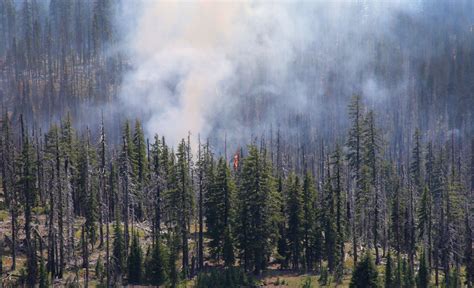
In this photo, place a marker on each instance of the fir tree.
(185, 203)
(26, 181)
(371, 162)
(43, 275)
(295, 219)
(407, 277)
(219, 210)
(310, 222)
(365, 274)
(389, 279)
(157, 264)
(257, 211)
(423, 276)
(135, 261)
(354, 155)
(118, 252)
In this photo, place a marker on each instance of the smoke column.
(239, 67)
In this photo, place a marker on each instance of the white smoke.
(193, 61)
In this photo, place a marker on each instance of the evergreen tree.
(389, 279)
(219, 210)
(423, 276)
(295, 219)
(365, 274)
(257, 211)
(135, 260)
(371, 162)
(407, 277)
(43, 275)
(310, 222)
(173, 257)
(140, 154)
(339, 200)
(354, 155)
(185, 203)
(157, 264)
(228, 248)
(27, 185)
(118, 253)
(282, 245)
(468, 253)
(329, 224)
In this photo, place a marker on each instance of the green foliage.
(257, 216)
(407, 275)
(173, 273)
(219, 205)
(228, 248)
(156, 264)
(324, 277)
(423, 276)
(140, 155)
(424, 214)
(118, 252)
(99, 272)
(43, 275)
(135, 261)
(307, 282)
(311, 223)
(388, 278)
(365, 274)
(453, 280)
(295, 219)
(229, 277)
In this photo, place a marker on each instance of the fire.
(236, 160)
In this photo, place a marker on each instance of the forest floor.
(273, 277)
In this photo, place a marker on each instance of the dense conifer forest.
(345, 190)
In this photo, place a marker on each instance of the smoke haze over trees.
(241, 68)
(149, 142)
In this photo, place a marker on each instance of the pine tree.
(354, 143)
(371, 162)
(8, 182)
(173, 271)
(140, 160)
(282, 245)
(140, 154)
(43, 275)
(157, 264)
(339, 200)
(99, 272)
(126, 177)
(423, 276)
(389, 279)
(118, 252)
(135, 261)
(407, 276)
(310, 225)
(257, 211)
(295, 219)
(228, 248)
(424, 216)
(399, 273)
(468, 253)
(88, 190)
(219, 209)
(158, 179)
(329, 224)
(27, 180)
(185, 203)
(365, 274)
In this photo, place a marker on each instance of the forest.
(266, 187)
